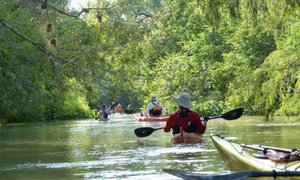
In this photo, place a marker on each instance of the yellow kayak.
(240, 157)
(186, 138)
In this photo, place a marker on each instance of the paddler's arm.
(168, 126)
(146, 113)
(201, 126)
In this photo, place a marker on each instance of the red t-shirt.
(193, 119)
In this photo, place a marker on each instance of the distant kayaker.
(104, 112)
(155, 108)
(119, 109)
(184, 117)
(129, 109)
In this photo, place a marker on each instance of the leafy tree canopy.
(60, 63)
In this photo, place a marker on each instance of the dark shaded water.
(90, 149)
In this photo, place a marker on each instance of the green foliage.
(250, 48)
(281, 69)
(31, 81)
(2, 122)
(212, 108)
(57, 64)
(71, 104)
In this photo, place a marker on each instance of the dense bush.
(212, 108)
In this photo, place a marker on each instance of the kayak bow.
(240, 157)
(153, 119)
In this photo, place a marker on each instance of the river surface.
(90, 149)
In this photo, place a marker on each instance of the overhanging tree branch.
(45, 5)
(4, 23)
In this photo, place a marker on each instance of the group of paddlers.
(105, 110)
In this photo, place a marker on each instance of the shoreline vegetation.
(61, 63)
(259, 121)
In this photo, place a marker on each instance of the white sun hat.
(184, 100)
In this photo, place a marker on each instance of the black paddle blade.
(233, 114)
(181, 174)
(143, 131)
(210, 176)
(230, 175)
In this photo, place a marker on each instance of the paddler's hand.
(204, 120)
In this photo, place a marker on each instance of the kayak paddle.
(230, 115)
(264, 148)
(230, 175)
(145, 131)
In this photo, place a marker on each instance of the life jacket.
(119, 110)
(156, 110)
(157, 107)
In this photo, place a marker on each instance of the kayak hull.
(118, 110)
(239, 158)
(153, 119)
(186, 138)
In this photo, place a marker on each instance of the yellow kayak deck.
(239, 158)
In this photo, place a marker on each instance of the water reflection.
(89, 149)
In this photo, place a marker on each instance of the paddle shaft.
(273, 173)
(263, 148)
(230, 175)
(214, 117)
(157, 128)
(278, 149)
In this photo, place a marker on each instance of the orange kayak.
(186, 138)
(153, 119)
(119, 110)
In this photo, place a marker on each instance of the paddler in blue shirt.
(155, 108)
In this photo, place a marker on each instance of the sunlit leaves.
(244, 53)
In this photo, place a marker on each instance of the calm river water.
(90, 149)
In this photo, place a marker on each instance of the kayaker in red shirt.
(184, 117)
